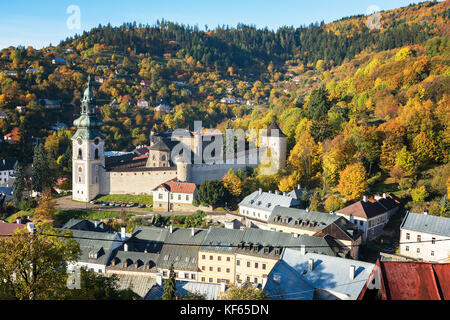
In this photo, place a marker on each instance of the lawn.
(65, 215)
(147, 200)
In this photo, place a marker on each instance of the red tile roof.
(413, 281)
(179, 187)
(371, 208)
(9, 228)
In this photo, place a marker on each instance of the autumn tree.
(46, 208)
(232, 183)
(246, 292)
(352, 183)
(33, 266)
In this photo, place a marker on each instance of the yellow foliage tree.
(352, 183)
(46, 208)
(232, 183)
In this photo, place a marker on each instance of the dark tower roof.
(272, 130)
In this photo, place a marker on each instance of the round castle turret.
(184, 170)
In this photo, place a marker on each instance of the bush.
(419, 194)
(333, 203)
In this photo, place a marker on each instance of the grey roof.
(7, 164)
(218, 239)
(148, 238)
(181, 248)
(94, 242)
(268, 201)
(210, 291)
(284, 283)
(86, 225)
(329, 273)
(140, 285)
(160, 146)
(296, 218)
(146, 261)
(426, 223)
(259, 239)
(274, 130)
(6, 190)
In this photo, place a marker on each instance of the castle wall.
(203, 172)
(134, 183)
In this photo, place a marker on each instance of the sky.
(40, 23)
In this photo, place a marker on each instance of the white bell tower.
(88, 158)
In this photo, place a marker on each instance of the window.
(160, 196)
(418, 250)
(187, 198)
(203, 279)
(179, 197)
(192, 276)
(406, 248)
(264, 266)
(164, 273)
(211, 280)
(219, 258)
(256, 265)
(228, 259)
(210, 268)
(210, 257)
(433, 240)
(238, 262)
(248, 264)
(219, 269)
(203, 268)
(432, 253)
(256, 280)
(80, 154)
(419, 238)
(96, 154)
(186, 275)
(228, 270)
(171, 196)
(407, 236)
(248, 279)
(203, 257)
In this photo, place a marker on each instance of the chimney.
(384, 195)
(365, 198)
(425, 212)
(303, 249)
(192, 232)
(284, 194)
(171, 229)
(260, 191)
(352, 272)
(277, 192)
(270, 191)
(299, 187)
(30, 227)
(311, 264)
(19, 221)
(123, 233)
(125, 247)
(332, 213)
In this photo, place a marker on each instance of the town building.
(425, 238)
(7, 166)
(7, 229)
(259, 205)
(13, 137)
(142, 103)
(311, 276)
(174, 196)
(318, 224)
(49, 104)
(371, 215)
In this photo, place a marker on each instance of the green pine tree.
(18, 184)
(169, 286)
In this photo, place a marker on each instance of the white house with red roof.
(174, 196)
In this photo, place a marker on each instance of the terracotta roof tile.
(9, 228)
(179, 187)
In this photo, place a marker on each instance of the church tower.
(88, 158)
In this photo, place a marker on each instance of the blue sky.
(39, 23)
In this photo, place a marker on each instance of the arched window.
(96, 153)
(163, 158)
(80, 154)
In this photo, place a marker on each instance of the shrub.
(419, 194)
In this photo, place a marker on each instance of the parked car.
(123, 205)
(112, 204)
(117, 204)
(140, 206)
(131, 204)
(105, 204)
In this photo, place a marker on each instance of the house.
(181, 249)
(7, 229)
(96, 249)
(174, 196)
(32, 71)
(87, 225)
(13, 137)
(302, 275)
(59, 126)
(99, 79)
(142, 103)
(3, 115)
(114, 103)
(49, 104)
(425, 238)
(145, 83)
(21, 109)
(58, 61)
(228, 100)
(318, 224)
(371, 216)
(391, 280)
(259, 205)
(12, 73)
(6, 195)
(7, 171)
(163, 106)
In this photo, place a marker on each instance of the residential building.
(425, 238)
(31, 70)
(142, 103)
(13, 137)
(181, 249)
(163, 106)
(3, 115)
(7, 229)
(49, 104)
(145, 83)
(311, 276)
(58, 61)
(7, 171)
(371, 215)
(318, 224)
(87, 225)
(174, 196)
(259, 205)
(391, 280)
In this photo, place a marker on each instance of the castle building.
(95, 173)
